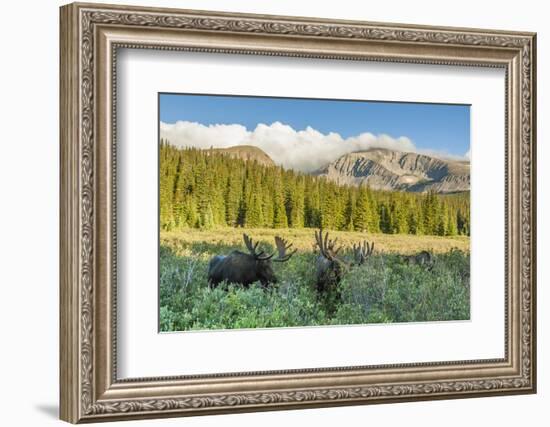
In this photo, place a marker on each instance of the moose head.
(247, 268)
(331, 266)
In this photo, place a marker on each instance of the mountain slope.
(246, 152)
(392, 170)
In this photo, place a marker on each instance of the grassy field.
(385, 289)
(303, 239)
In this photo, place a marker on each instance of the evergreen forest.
(204, 189)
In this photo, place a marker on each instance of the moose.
(247, 268)
(330, 266)
(424, 259)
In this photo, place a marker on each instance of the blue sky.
(438, 127)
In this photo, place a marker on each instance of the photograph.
(267, 211)
(296, 212)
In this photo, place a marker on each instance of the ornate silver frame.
(90, 36)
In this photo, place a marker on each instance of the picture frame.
(91, 37)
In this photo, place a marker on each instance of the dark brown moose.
(330, 266)
(247, 268)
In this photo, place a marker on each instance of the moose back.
(247, 268)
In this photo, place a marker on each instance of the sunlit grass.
(303, 239)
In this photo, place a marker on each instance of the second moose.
(331, 266)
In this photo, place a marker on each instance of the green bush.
(385, 289)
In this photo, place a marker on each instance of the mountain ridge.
(391, 170)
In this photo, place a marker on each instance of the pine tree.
(349, 213)
(430, 213)
(329, 212)
(295, 202)
(203, 184)
(279, 211)
(373, 216)
(290, 201)
(451, 229)
(414, 219)
(233, 196)
(441, 221)
(362, 213)
(267, 199)
(167, 176)
(385, 218)
(254, 212)
(180, 195)
(398, 216)
(312, 203)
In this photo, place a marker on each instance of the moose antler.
(327, 247)
(282, 247)
(362, 251)
(260, 256)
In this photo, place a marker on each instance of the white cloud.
(467, 155)
(304, 150)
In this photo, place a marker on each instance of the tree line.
(204, 189)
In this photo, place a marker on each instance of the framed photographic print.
(265, 212)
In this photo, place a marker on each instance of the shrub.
(384, 289)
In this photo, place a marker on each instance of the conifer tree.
(450, 229)
(414, 220)
(329, 211)
(398, 216)
(233, 194)
(295, 202)
(430, 213)
(362, 213)
(267, 198)
(203, 184)
(279, 211)
(462, 222)
(441, 222)
(349, 213)
(385, 218)
(180, 195)
(254, 211)
(166, 185)
(373, 217)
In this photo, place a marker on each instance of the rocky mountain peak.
(391, 170)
